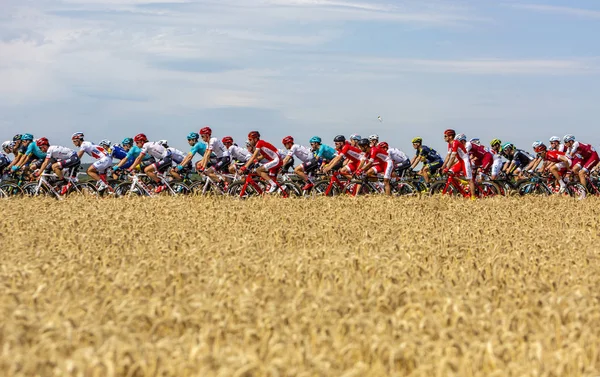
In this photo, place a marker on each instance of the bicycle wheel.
(576, 190)
(357, 187)
(320, 188)
(31, 189)
(125, 189)
(533, 188)
(204, 188)
(10, 190)
(292, 189)
(83, 189)
(487, 189)
(437, 188)
(235, 190)
(179, 189)
(404, 189)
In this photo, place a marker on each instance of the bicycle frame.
(251, 181)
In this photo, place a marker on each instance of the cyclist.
(481, 158)
(352, 156)
(4, 159)
(18, 151)
(238, 154)
(561, 162)
(373, 140)
(475, 141)
(198, 147)
(584, 157)
(518, 159)
(431, 160)
(177, 157)
(457, 160)
(33, 156)
(323, 153)
(103, 160)
(132, 152)
(555, 144)
(498, 161)
(401, 161)
(374, 161)
(267, 171)
(57, 159)
(354, 138)
(217, 147)
(162, 157)
(305, 155)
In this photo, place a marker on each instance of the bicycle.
(459, 186)
(253, 185)
(43, 187)
(332, 186)
(140, 185)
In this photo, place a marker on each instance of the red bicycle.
(459, 186)
(253, 185)
(330, 187)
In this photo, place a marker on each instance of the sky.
(516, 70)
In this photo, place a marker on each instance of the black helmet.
(17, 137)
(339, 139)
(363, 142)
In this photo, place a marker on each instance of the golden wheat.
(271, 287)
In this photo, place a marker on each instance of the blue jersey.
(325, 152)
(34, 150)
(429, 154)
(118, 152)
(199, 148)
(4, 160)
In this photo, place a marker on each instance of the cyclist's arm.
(251, 160)
(332, 163)
(205, 158)
(137, 161)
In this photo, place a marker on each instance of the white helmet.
(554, 138)
(461, 137)
(6, 144)
(164, 143)
(355, 137)
(105, 143)
(374, 137)
(475, 141)
(568, 137)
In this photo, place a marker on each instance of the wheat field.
(323, 287)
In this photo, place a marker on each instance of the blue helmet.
(27, 137)
(127, 141)
(355, 137)
(315, 139)
(193, 136)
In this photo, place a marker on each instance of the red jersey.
(351, 153)
(267, 150)
(378, 156)
(584, 150)
(553, 156)
(478, 151)
(457, 147)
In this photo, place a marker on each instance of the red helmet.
(227, 140)
(254, 135)
(383, 145)
(540, 148)
(287, 139)
(205, 131)
(140, 138)
(42, 141)
(450, 132)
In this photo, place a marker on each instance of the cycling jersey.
(34, 151)
(92, 150)
(268, 151)
(177, 155)
(4, 161)
(325, 152)
(554, 156)
(584, 150)
(59, 153)
(118, 152)
(155, 150)
(397, 155)
(463, 163)
(133, 153)
(521, 158)
(304, 154)
(239, 154)
(351, 153)
(483, 158)
(429, 154)
(199, 148)
(218, 148)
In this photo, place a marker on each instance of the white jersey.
(218, 148)
(560, 148)
(177, 155)
(282, 153)
(397, 155)
(304, 154)
(155, 150)
(239, 154)
(59, 153)
(94, 151)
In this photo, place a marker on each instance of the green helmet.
(507, 145)
(495, 142)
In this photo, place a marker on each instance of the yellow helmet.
(417, 140)
(495, 142)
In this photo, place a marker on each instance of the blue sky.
(516, 70)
